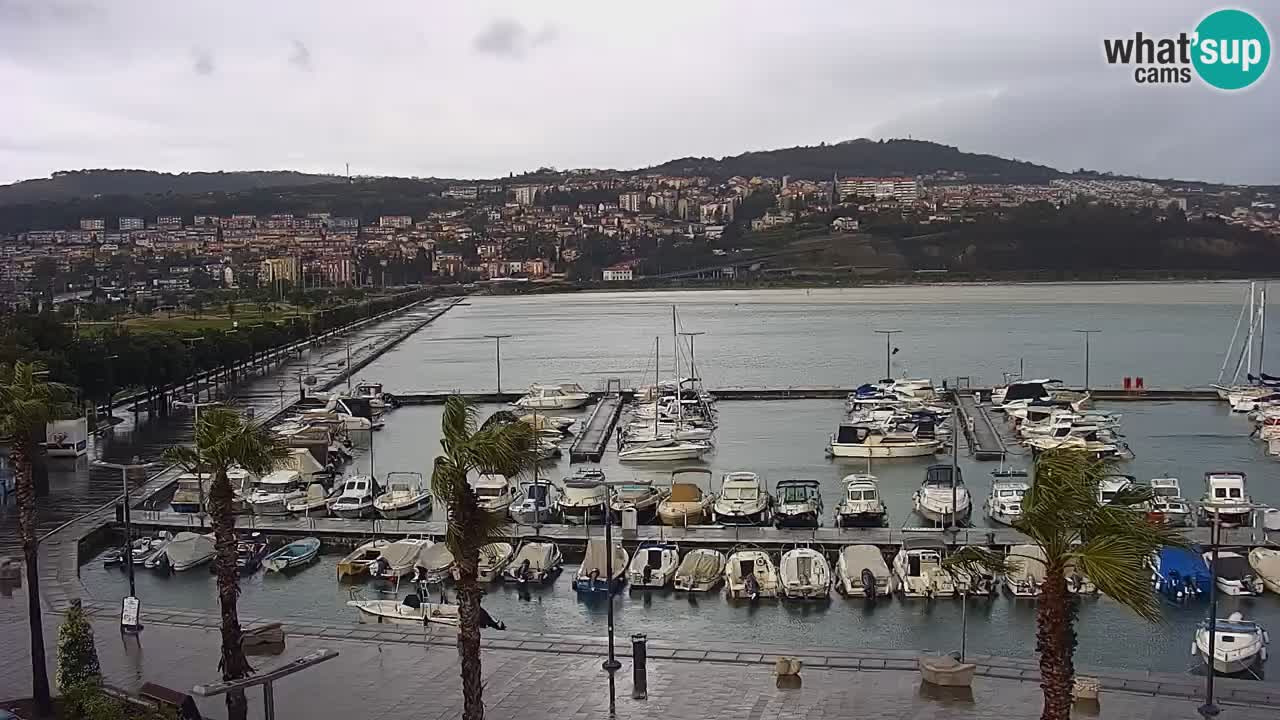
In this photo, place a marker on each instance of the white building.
(618, 273)
(526, 194)
(399, 222)
(633, 202)
(92, 224)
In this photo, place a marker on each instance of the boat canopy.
(1029, 390)
(401, 552)
(539, 555)
(923, 543)
(595, 558)
(685, 492)
(1232, 566)
(1186, 563)
(1240, 627)
(702, 565)
(436, 557)
(868, 557)
(796, 491)
(186, 547)
(940, 475)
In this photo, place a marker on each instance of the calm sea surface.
(1173, 335)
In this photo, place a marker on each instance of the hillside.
(89, 183)
(863, 157)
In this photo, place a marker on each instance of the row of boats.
(179, 552)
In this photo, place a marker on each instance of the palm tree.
(27, 403)
(501, 445)
(223, 440)
(1108, 543)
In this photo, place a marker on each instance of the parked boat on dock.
(664, 449)
(1167, 503)
(535, 562)
(799, 504)
(862, 572)
(250, 554)
(356, 563)
(314, 503)
(943, 497)
(701, 570)
(640, 497)
(1266, 563)
(1004, 504)
(1238, 644)
(593, 576)
(356, 498)
(435, 562)
(743, 500)
(294, 555)
(494, 559)
(869, 440)
(406, 612)
(397, 559)
(1226, 498)
(1235, 576)
(750, 574)
(581, 505)
(191, 489)
(539, 502)
(408, 496)
(272, 492)
(1026, 570)
(686, 503)
(861, 506)
(188, 550)
(543, 396)
(804, 574)
(654, 565)
(918, 571)
(495, 493)
(1181, 574)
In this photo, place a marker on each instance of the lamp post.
(1210, 709)
(888, 354)
(497, 353)
(125, 469)
(1086, 334)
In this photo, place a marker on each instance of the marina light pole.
(1210, 709)
(888, 353)
(1086, 334)
(126, 468)
(497, 354)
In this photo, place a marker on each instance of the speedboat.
(942, 497)
(1226, 499)
(191, 489)
(1026, 570)
(861, 506)
(582, 505)
(643, 499)
(356, 498)
(272, 492)
(538, 502)
(593, 574)
(1235, 576)
(1266, 563)
(869, 440)
(1004, 504)
(664, 449)
(435, 563)
(1111, 487)
(542, 396)
(155, 557)
(918, 571)
(804, 574)
(494, 493)
(687, 504)
(749, 573)
(410, 611)
(408, 496)
(139, 548)
(1180, 574)
(654, 565)
(743, 500)
(294, 555)
(1167, 503)
(494, 558)
(358, 561)
(701, 570)
(371, 392)
(313, 503)
(188, 550)
(535, 562)
(799, 504)
(862, 572)
(1238, 644)
(398, 559)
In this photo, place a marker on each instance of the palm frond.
(974, 560)
(1117, 565)
(457, 423)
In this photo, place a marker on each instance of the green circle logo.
(1232, 49)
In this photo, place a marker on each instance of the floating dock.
(591, 442)
(985, 441)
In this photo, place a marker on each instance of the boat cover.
(1232, 567)
(436, 557)
(401, 553)
(685, 492)
(1182, 563)
(1267, 563)
(494, 553)
(865, 557)
(701, 566)
(539, 555)
(595, 559)
(1021, 564)
(186, 547)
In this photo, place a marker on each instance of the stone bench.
(946, 671)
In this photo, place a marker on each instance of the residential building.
(633, 201)
(620, 272)
(92, 224)
(399, 222)
(281, 268)
(169, 222)
(526, 194)
(126, 224)
(462, 192)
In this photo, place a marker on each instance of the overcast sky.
(476, 88)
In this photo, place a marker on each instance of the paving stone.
(871, 664)
(690, 654)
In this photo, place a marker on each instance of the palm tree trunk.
(20, 455)
(469, 609)
(1054, 644)
(233, 665)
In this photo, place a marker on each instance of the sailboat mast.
(1249, 338)
(371, 475)
(1231, 346)
(656, 362)
(1262, 331)
(675, 343)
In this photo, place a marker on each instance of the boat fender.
(1195, 650)
(1264, 654)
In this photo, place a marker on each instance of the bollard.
(639, 683)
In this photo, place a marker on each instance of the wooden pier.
(591, 442)
(985, 441)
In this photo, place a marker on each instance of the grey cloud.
(202, 61)
(300, 57)
(509, 39)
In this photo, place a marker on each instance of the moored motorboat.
(1226, 498)
(743, 500)
(250, 554)
(943, 498)
(1026, 570)
(356, 498)
(494, 558)
(862, 572)
(798, 503)
(408, 496)
(188, 550)
(664, 449)
(191, 489)
(536, 561)
(918, 570)
(1235, 576)
(294, 555)
(273, 491)
(435, 562)
(749, 574)
(870, 440)
(862, 505)
(687, 503)
(1266, 563)
(804, 574)
(1004, 504)
(538, 502)
(654, 565)
(313, 503)
(1180, 574)
(543, 396)
(397, 559)
(593, 575)
(357, 562)
(581, 504)
(410, 611)
(642, 498)
(495, 493)
(701, 570)
(1238, 644)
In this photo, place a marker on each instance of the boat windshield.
(537, 491)
(795, 494)
(1010, 493)
(741, 493)
(1222, 493)
(862, 494)
(489, 492)
(1169, 492)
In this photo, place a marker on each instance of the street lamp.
(1086, 334)
(1210, 709)
(497, 349)
(888, 367)
(125, 469)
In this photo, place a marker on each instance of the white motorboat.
(358, 561)
(296, 554)
(188, 550)
(1112, 486)
(918, 571)
(1235, 575)
(1004, 504)
(535, 562)
(371, 392)
(410, 611)
(974, 581)
(355, 500)
(1021, 391)
(798, 504)
(155, 557)
(398, 559)
(1226, 498)
(495, 493)
(273, 491)
(868, 440)
(943, 498)
(641, 497)
(664, 449)
(701, 570)
(1273, 446)
(408, 496)
(686, 503)
(654, 565)
(593, 575)
(191, 489)
(1238, 644)
(313, 503)
(539, 500)
(804, 574)
(1266, 563)
(435, 563)
(743, 500)
(1026, 570)
(542, 396)
(1167, 502)
(494, 558)
(582, 505)
(749, 573)
(862, 572)
(861, 506)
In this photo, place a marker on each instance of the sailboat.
(663, 447)
(1244, 398)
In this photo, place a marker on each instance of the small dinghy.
(410, 611)
(1238, 644)
(535, 562)
(1266, 563)
(700, 571)
(357, 563)
(294, 555)
(1180, 574)
(494, 558)
(593, 576)
(139, 549)
(654, 565)
(750, 574)
(862, 572)
(805, 575)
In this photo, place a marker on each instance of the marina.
(984, 441)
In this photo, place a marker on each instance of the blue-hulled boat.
(295, 554)
(592, 574)
(1181, 574)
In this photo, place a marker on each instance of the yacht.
(1235, 575)
(541, 396)
(1238, 644)
(1226, 499)
(942, 497)
(799, 504)
(664, 449)
(593, 574)
(743, 500)
(862, 572)
(408, 496)
(538, 502)
(749, 573)
(191, 489)
(273, 491)
(869, 440)
(536, 562)
(861, 506)
(654, 565)
(686, 503)
(804, 574)
(1026, 570)
(642, 498)
(918, 571)
(701, 570)
(356, 497)
(1004, 504)
(495, 493)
